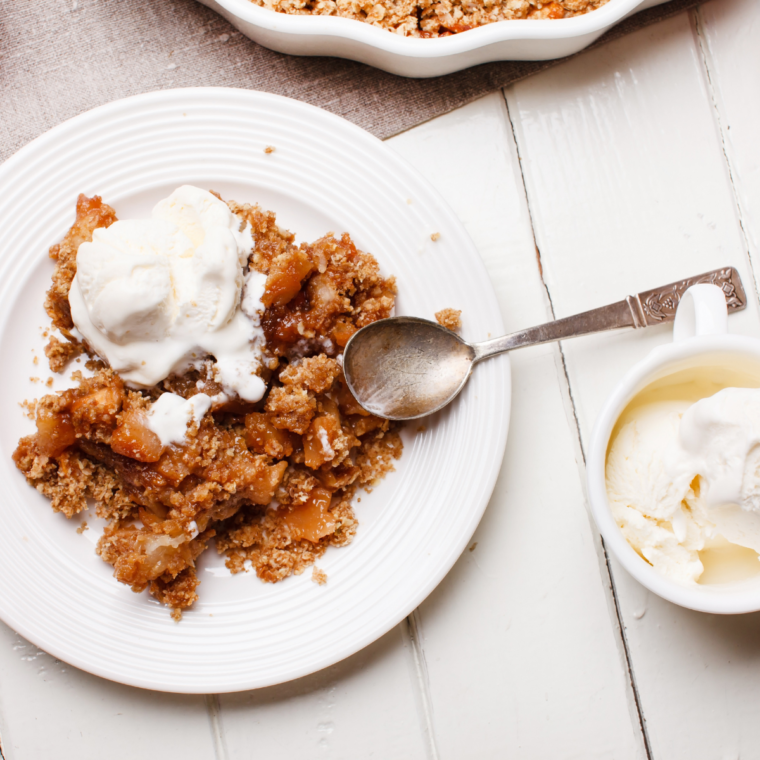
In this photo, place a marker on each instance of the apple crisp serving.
(434, 18)
(272, 481)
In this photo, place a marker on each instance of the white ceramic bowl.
(521, 40)
(700, 340)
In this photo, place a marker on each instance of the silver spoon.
(403, 368)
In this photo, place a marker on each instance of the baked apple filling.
(270, 479)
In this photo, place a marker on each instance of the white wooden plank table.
(625, 168)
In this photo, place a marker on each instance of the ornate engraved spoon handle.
(642, 310)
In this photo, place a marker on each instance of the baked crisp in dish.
(272, 480)
(434, 18)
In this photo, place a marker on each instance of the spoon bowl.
(403, 368)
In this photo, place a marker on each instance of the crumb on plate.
(451, 319)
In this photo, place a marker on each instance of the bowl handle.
(702, 311)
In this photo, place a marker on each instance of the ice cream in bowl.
(674, 463)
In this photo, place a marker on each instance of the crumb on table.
(451, 319)
(269, 149)
(436, 236)
(83, 527)
(319, 576)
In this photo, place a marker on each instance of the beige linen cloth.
(59, 58)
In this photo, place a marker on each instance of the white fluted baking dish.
(520, 40)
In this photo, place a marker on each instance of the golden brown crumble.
(319, 576)
(451, 319)
(269, 149)
(271, 482)
(434, 18)
(435, 237)
(91, 213)
(60, 353)
(30, 408)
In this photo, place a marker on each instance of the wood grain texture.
(47, 74)
(728, 31)
(519, 636)
(49, 709)
(364, 707)
(629, 188)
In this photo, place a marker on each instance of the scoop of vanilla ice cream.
(647, 504)
(153, 296)
(681, 476)
(719, 439)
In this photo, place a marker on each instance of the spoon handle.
(653, 307)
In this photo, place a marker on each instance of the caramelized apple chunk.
(319, 443)
(285, 276)
(264, 438)
(312, 520)
(342, 331)
(55, 432)
(134, 439)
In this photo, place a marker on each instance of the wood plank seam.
(413, 632)
(578, 442)
(214, 711)
(697, 26)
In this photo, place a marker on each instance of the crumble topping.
(272, 481)
(434, 18)
(451, 319)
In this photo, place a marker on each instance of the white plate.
(519, 40)
(325, 175)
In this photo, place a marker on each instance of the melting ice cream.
(685, 478)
